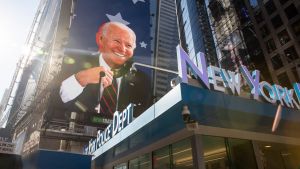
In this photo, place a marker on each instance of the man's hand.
(92, 75)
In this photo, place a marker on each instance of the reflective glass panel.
(161, 158)
(215, 155)
(182, 155)
(278, 156)
(241, 154)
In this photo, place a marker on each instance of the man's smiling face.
(117, 44)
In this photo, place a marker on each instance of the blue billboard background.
(89, 15)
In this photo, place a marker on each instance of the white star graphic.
(143, 44)
(117, 18)
(135, 1)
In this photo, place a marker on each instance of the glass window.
(134, 164)
(284, 80)
(296, 27)
(215, 156)
(291, 54)
(296, 72)
(142, 162)
(291, 11)
(182, 155)
(121, 166)
(283, 37)
(276, 62)
(161, 158)
(226, 153)
(278, 156)
(258, 17)
(264, 31)
(270, 45)
(241, 154)
(276, 21)
(270, 7)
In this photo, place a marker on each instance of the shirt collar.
(103, 63)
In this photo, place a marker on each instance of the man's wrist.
(80, 78)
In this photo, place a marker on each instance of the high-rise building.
(223, 31)
(276, 25)
(165, 50)
(195, 30)
(3, 102)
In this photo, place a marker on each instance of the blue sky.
(16, 17)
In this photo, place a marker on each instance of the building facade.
(224, 32)
(276, 23)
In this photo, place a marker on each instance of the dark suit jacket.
(135, 88)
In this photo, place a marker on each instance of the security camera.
(175, 81)
(186, 114)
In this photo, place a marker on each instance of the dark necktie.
(108, 100)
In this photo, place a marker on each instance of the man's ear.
(98, 39)
(99, 35)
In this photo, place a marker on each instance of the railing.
(67, 128)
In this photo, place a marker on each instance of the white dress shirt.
(70, 87)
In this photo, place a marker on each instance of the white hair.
(121, 25)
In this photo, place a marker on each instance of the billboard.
(105, 38)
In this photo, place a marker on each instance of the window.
(214, 150)
(278, 156)
(291, 11)
(296, 27)
(161, 158)
(276, 21)
(258, 17)
(182, 155)
(241, 154)
(296, 72)
(284, 80)
(264, 31)
(121, 166)
(270, 7)
(270, 45)
(276, 62)
(142, 162)
(283, 37)
(225, 153)
(291, 54)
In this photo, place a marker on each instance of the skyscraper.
(223, 30)
(166, 41)
(277, 27)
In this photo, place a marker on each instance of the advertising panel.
(105, 38)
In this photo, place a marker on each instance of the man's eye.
(129, 46)
(117, 41)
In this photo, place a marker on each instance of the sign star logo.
(143, 44)
(135, 1)
(117, 18)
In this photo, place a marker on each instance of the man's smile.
(118, 54)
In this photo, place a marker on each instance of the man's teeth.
(118, 54)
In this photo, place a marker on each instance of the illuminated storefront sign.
(120, 121)
(216, 78)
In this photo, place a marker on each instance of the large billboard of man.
(95, 79)
(117, 90)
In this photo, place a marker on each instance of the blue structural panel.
(45, 159)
